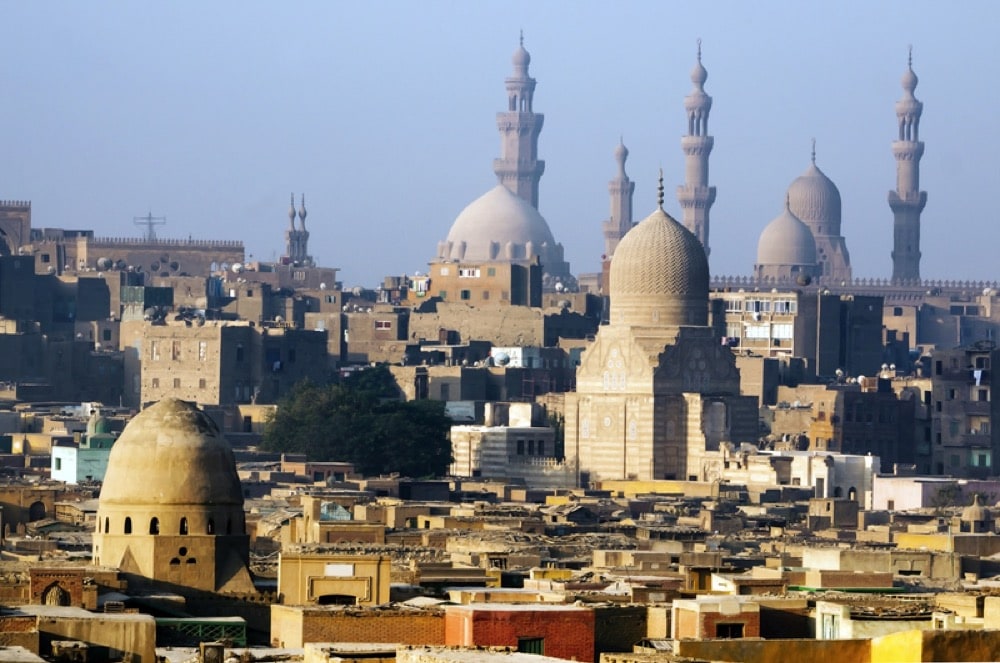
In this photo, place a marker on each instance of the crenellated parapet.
(140, 242)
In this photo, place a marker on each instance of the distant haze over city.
(383, 115)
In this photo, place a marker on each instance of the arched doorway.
(36, 511)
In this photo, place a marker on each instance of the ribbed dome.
(171, 453)
(815, 199)
(498, 225)
(659, 266)
(786, 241)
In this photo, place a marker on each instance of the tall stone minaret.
(907, 201)
(518, 167)
(620, 190)
(695, 195)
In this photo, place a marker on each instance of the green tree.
(362, 422)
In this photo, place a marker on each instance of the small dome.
(976, 512)
(815, 199)
(521, 58)
(909, 81)
(786, 241)
(621, 153)
(699, 74)
(171, 453)
(660, 265)
(496, 226)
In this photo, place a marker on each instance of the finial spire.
(699, 50)
(302, 212)
(814, 151)
(909, 57)
(788, 201)
(659, 191)
(522, 39)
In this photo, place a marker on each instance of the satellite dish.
(322, 286)
(237, 267)
(501, 358)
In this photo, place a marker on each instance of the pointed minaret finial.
(291, 211)
(522, 39)
(788, 202)
(659, 191)
(699, 49)
(302, 212)
(909, 57)
(814, 152)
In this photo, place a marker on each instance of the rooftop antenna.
(150, 222)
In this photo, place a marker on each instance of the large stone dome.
(815, 199)
(786, 241)
(499, 225)
(659, 275)
(171, 453)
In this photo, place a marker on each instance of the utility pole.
(150, 222)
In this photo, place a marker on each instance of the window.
(783, 331)
(202, 350)
(175, 350)
(58, 462)
(201, 383)
(465, 295)
(154, 525)
(156, 383)
(184, 525)
(331, 299)
(128, 525)
(520, 447)
(154, 350)
(210, 527)
(982, 362)
(383, 324)
(239, 352)
(897, 311)
(486, 294)
(531, 645)
(491, 271)
(177, 383)
(734, 305)
(729, 630)
(299, 275)
(106, 334)
(443, 294)
(445, 271)
(45, 257)
(541, 447)
(468, 273)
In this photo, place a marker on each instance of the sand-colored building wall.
(936, 646)
(307, 577)
(768, 651)
(133, 635)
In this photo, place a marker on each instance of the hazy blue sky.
(383, 113)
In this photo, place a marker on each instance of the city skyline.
(385, 119)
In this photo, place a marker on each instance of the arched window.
(184, 525)
(106, 523)
(210, 528)
(154, 525)
(128, 525)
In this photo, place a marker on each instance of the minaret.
(518, 167)
(297, 239)
(304, 256)
(291, 235)
(620, 190)
(907, 201)
(695, 195)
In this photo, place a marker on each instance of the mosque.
(803, 246)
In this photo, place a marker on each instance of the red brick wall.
(750, 621)
(567, 634)
(395, 627)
